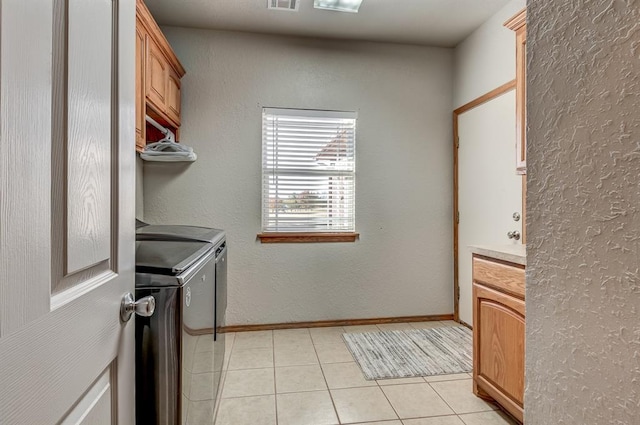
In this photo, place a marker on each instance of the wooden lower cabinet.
(499, 333)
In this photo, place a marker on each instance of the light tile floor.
(308, 377)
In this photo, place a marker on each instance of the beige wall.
(486, 59)
(402, 264)
(583, 280)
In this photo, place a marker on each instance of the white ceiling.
(427, 22)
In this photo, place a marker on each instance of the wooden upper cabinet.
(140, 84)
(158, 75)
(519, 24)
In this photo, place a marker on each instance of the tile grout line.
(389, 401)
(225, 370)
(382, 391)
(275, 388)
(425, 381)
(445, 401)
(464, 413)
(235, 347)
(333, 403)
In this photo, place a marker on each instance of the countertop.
(511, 253)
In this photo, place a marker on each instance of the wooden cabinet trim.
(521, 101)
(518, 23)
(503, 276)
(162, 118)
(487, 293)
(511, 406)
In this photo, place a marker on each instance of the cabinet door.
(499, 347)
(156, 75)
(140, 88)
(173, 96)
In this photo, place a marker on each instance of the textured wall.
(486, 59)
(402, 264)
(583, 279)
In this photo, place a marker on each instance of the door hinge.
(458, 142)
(458, 216)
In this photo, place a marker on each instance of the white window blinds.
(308, 170)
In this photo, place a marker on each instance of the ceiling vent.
(290, 5)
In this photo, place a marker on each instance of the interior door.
(66, 209)
(489, 191)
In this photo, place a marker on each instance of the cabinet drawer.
(505, 277)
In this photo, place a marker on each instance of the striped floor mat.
(410, 353)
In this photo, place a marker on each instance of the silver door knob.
(143, 307)
(514, 235)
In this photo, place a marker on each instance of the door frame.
(497, 92)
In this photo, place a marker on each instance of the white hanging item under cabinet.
(166, 149)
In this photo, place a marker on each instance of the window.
(308, 172)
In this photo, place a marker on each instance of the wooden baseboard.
(328, 323)
(463, 323)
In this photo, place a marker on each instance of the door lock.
(514, 235)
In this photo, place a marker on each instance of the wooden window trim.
(307, 237)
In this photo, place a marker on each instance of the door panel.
(67, 208)
(96, 405)
(489, 191)
(88, 141)
(83, 208)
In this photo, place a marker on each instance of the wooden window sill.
(307, 237)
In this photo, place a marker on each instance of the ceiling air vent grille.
(291, 5)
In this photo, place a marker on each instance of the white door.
(67, 211)
(489, 191)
